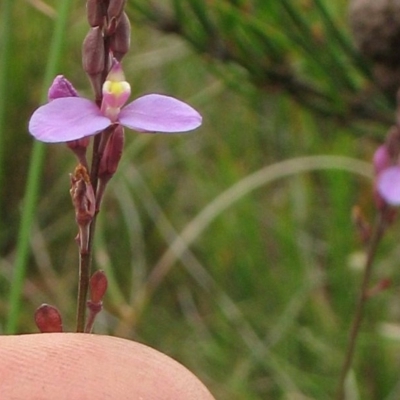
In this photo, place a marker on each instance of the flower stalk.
(71, 119)
(386, 192)
(364, 294)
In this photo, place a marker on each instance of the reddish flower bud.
(115, 8)
(93, 58)
(93, 52)
(98, 286)
(95, 12)
(112, 153)
(48, 319)
(110, 160)
(120, 41)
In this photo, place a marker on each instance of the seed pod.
(84, 202)
(82, 196)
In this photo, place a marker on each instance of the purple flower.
(388, 185)
(387, 177)
(64, 119)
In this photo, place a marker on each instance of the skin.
(82, 366)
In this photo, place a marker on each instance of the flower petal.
(157, 113)
(65, 119)
(388, 185)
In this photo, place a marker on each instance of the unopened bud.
(98, 286)
(95, 12)
(110, 160)
(120, 41)
(48, 319)
(115, 8)
(112, 153)
(93, 58)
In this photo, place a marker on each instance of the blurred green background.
(231, 248)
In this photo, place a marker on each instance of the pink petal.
(65, 119)
(157, 113)
(388, 185)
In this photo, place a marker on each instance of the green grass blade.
(5, 23)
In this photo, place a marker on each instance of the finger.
(83, 366)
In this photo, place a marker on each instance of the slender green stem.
(5, 24)
(34, 176)
(380, 226)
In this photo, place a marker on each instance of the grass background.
(248, 280)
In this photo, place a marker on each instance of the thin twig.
(379, 229)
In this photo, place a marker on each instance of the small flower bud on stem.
(98, 286)
(48, 319)
(109, 161)
(93, 58)
(95, 12)
(120, 41)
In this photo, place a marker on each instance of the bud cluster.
(108, 38)
(106, 43)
